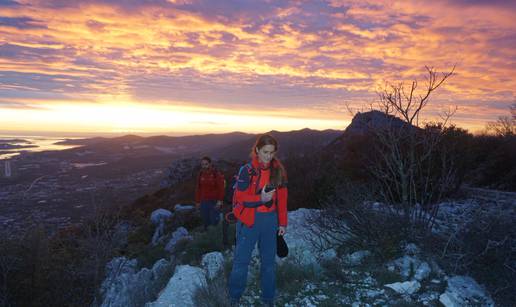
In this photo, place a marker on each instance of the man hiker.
(209, 192)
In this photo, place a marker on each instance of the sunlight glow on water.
(42, 143)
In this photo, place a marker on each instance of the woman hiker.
(261, 210)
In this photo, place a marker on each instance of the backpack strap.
(251, 172)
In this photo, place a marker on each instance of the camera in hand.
(269, 187)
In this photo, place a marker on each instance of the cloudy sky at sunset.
(182, 66)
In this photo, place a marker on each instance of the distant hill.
(137, 146)
(363, 123)
(88, 141)
(226, 146)
(296, 142)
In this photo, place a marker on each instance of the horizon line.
(29, 133)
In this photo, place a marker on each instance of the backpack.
(230, 195)
(250, 170)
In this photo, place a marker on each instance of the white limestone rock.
(158, 218)
(181, 287)
(404, 265)
(160, 214)
(124, 287)
(407, 287)
(423, 271)
(178, 235)
(213, 264)
(465, 291)
(298, 238)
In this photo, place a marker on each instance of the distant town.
(60, 188)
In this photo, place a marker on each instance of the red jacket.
(210, 185)
(251, 179)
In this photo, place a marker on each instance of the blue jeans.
(209, 213)
(264, 232)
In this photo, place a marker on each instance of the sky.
(185, 67)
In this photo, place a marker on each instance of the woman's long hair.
(278, 174)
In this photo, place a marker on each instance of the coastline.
(17, 144)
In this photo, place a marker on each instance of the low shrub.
(214, 294)
(349, 220)
(204, 242)
(291, 277)
(484, 247)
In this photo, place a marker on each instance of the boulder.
(464, 291)
(423, 271)
(159, 215)
(181, 288)
(404, 265)
(213, 264)
(124, 286)
(158, 233)
(407, 287)
(158, 218)
(178, 235)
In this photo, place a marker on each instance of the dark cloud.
(501, 3)
(232, 10)
(8, 3)
(27, 53)
(507, 40)
(51, 86)
(21, 22)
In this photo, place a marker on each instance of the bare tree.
(411, 163)
(505, 126)
(404, 102)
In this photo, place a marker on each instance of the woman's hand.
(282, 230)
(266, 196)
